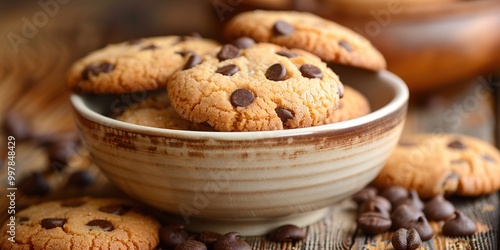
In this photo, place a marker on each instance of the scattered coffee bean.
(81, 179)
(72, 203)
(345, 45)
(457, 145)
(287, 233)
(228, 70)
(423, 228)
(16, 126)
(208, 238)
(35, 184)
(284, 114)
(404, 239)
(364, 195)
(277, 72)
(394, 194)
(413, 199)
(288, 54)
(191, 245)
(172, 235)
(50, 223)
(311, 71)
(242, 97)
(283, 28)
(228, 51)
(96, 69)
(192, 61)
(403, 214)
(104, 225)
(243, 42)
(231, 241)
(374, 223)
(438, 209)
(460, 225)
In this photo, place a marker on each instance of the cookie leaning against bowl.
(352, 105)
(262, 87)
(83, 223)
(137, 65)
(156, 111)
(330, 41)
(436, 164)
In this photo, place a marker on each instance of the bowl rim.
(401, 97)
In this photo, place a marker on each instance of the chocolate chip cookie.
(435, 164)
(83, 223)
(262, 87)
(353, 104)
(328, 40)
(137, 65)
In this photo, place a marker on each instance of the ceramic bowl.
(250, 182)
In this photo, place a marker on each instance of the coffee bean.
(394, 194)
(404, 214)
(242, 97)
(96, 69)
(404, 239)
(150, 47)
(438, 209)
(228, 51)
(460, 225)
(284, 114)
(288, 54)
(365, 194)
(277, 72)
(413, 199)
(35, 184)
(243, 42)
(191, 245)
(231, 241)
(50, 223)
(423, 228)
(115, 209)
(228, 70)
(373, 223)
(457, 144)
(105, 225)
(287, 233)
(208, 238)
(16, 126)
(345, 45)
(81, 179)
(172, 235)
(192, 61)
(73, 203)
(341, 90)
(283, 28)
(311, 71)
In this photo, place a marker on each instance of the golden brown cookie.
(436, 164)
(328, 40)
(262, 87)
(137, 65)
(83, 223)
(352, 105)
(156, 111)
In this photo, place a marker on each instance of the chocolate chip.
(50, 223)
(228, 51)
(192, 61)
(72, 203)
(105, 225)
(365, 194)
(288, 54)
(243, 42)
(191, 245)
(283, 28)
(311, 71)
(377, 204)
(35, 184)
(394, 193)
(96, 69)
(438, 209)
(457, 145)
(115, 209)
(287, 233)
(23, 220)
(136, 41)
(277, 72)
(185, 52)
(404, 214)
(422, 226)
(345, 45)
(460, 225)
(373, 223)
(231, 241)
(150, 47)
(172, 235)
(284, 114)
(404, 239)
(16, 126)
(81, 179)
(413, 200)
(341, 90)
(242, 97)
(228, 70)
(208, 238)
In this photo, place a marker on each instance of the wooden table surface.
(32, 86)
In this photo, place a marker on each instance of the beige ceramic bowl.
(250, 182)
